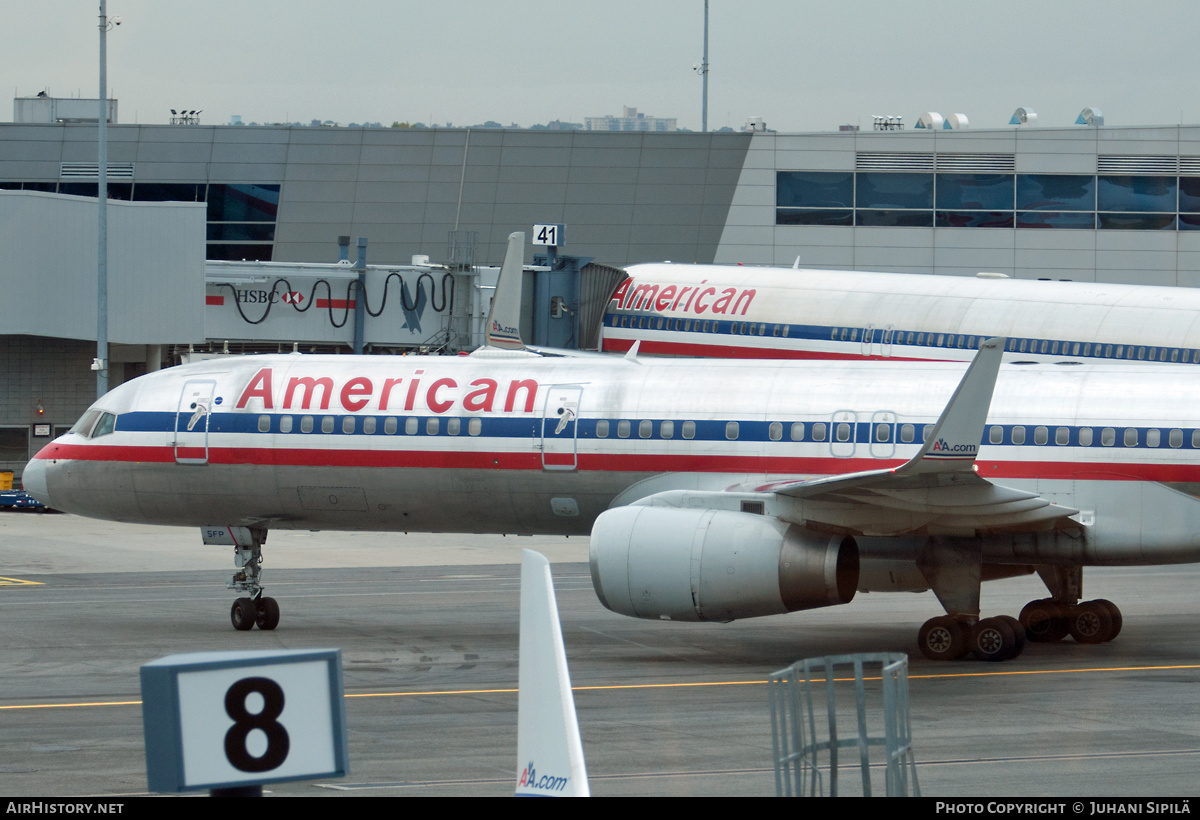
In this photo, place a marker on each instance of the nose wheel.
(246, 613)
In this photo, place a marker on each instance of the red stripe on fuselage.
(612, 462)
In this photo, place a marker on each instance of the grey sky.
(803, 66)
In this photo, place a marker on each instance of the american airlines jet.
(771, 313)
(712, 490)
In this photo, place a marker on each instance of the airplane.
(711, 489)
(730, 311)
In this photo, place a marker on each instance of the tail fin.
(549, 751)
(504, 320)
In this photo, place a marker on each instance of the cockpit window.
(95, 423)
(86, 422)
(107, 423)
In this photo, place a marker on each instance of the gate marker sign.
(216, 720)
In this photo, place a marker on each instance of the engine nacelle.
(716, 565)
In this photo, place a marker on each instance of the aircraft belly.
(343, 498)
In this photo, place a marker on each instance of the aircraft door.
(842, 433)
(883, 434)
(888, 332)
(558, 427)
(868, 339)
(191, 421)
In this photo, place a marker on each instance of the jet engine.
(690, 564)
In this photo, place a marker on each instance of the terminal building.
(1084, 202)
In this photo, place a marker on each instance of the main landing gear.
(954, 569)
(254, 608)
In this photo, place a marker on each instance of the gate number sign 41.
(222, 719)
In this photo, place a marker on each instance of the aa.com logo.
(942, 446)
(530, 780)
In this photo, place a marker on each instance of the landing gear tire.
(1091, 622)
(1044, 621)
(942, 639)
(993, 639)
(243, 614)
(1018, 633)
(1115, 612)
(266, 613)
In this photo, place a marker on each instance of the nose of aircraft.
(33, 480)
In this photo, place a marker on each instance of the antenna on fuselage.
(504, 319)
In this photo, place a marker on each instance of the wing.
(936, 492)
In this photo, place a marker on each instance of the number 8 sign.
(225, 719)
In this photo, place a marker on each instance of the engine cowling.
(716, 565)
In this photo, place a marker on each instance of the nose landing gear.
(253, 608)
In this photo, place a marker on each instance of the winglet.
(953, 443)
(504, 320)
(549, 751)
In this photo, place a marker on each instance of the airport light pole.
(704, 74)
(100, 364)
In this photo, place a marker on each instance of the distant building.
(630, 120)
(46, 109)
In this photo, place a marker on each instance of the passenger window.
(731, 430)
(623, 427)
(1108, 437)
(883, 432)
(432, 425)
(907, 433)
(1085, 436)
(797, 432)
(1195, 439)
(1040, 435)
(602, 428)
(453, 426)
(996, 435)
(285, 424)
(1153, 437)
(843, 431)
(348, 425)
(411, 426)
(927, 432)
(689, 429)
(327, 424)
(667, 429)
(369, 425)
(645, 428)
(475, 426)
(1176, 438)
(1018, 435)
(775, 431)
(1062, 436)
(1131, 437)
(306, 424)
(390, 425)
(818, 431)
(264, 424)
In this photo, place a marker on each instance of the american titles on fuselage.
(357, 392)
(642, 295)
